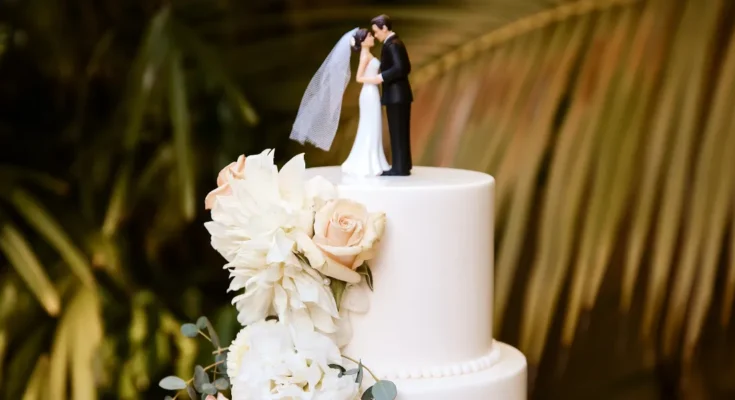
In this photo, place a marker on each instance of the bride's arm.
(361, 78)
(364, 59)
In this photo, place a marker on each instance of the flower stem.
(363, 365)
(205, 335)
(207, 368)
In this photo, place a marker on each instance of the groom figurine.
(397, 96)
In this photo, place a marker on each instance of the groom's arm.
(401, 64)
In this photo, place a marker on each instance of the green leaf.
(119, 196)
(338, 289)
(172, 383)
(365, 271)
(168, 398)
(384, 390)
(368, 394)
(221, 359)
(212, 68)
(222, 384)
(360, 370)
(213, 335)
(191, 392)
(21, 256)
(38, 217)
(208, 388)
(38, 380)
(146, 67)
(202, 322)
(200, 378)
(189, 330)
(181, 123)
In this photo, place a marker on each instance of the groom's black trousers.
(399, 125)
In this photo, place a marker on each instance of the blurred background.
(608, 124)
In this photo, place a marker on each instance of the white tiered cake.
(429, 325)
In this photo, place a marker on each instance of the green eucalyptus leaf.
(202, 322)
(221, 359)
(360, 370)
(208, 388)
(200, 378)
(366, 272)
(384, 390)
(222, 384)
(191, 392)
(189, 330)
(172, 383)
(368, 394)
(212, 334)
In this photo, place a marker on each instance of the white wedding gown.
(367, 157)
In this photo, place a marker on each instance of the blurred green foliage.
(605, 122)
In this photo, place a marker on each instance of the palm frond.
(590, 125)
(38, 217)
(699, 25)
(35, 390)
(22, 257)
(182, 141)
(708, 214)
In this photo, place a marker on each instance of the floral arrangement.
(299, 252)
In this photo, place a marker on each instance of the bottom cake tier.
(505, 380)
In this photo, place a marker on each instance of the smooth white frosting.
(504, 380)
(430, 314)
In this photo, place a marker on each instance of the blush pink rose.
(347, 233)
(235, 170)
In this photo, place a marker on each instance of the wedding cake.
(428, 325)
(352, 288)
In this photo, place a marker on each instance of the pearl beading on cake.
(463, 368)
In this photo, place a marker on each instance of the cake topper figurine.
(397, 96)
(318, 115)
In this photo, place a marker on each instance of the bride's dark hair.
(359, 37)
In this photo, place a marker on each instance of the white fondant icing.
(429, 326)
(440, 371)
(505, 380)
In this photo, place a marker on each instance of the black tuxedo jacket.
(395, 67)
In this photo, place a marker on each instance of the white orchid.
(273, 360)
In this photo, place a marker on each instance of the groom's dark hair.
(382, 21)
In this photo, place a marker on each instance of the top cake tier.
(431, 308)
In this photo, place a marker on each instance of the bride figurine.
(318, 116)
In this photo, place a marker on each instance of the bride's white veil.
(318, 115)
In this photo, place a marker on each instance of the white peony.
(272, 360)
(264, 219)
(292, 290)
